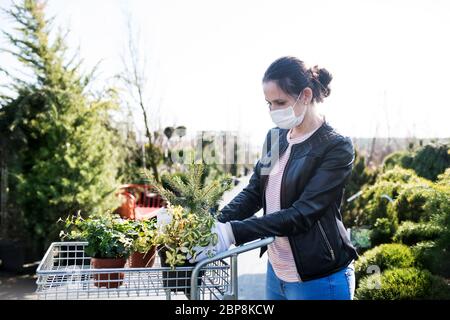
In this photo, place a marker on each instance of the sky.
(206, 59)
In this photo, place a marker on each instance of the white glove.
(225, 238)
(162, 217)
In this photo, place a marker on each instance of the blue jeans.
(337, 286)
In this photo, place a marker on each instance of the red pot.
(108, 280)
(143, 260)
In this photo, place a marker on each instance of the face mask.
(286, 118)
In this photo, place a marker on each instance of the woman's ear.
(307, 96)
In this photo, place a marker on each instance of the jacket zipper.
(324, 235)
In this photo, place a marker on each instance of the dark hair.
(292, 77)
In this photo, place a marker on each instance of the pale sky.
(390, 59)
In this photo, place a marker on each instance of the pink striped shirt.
(279, 251)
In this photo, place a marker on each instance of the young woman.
(300, 192)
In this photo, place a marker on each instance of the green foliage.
(441, 206)
(166, 179)
(444, 179)
(372, 204)
(131, 157)
(361, 176)
(143, 234)
(190, 204)
(186, 231)
(108, 236)
(403, 284)
(413, 198)
(361, 238)
(189, 192)
(63, 153)
(411, 233)
(400, 175)
(403, 159)
(385, 256)
(430, 256)
(431, 160)
(383, 231)
(428, 161)
(155, 156)
(423, 253)
(422, 208)
(411, 202)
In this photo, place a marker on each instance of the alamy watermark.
(227, 148)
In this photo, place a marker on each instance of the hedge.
(385, 256)
(403, 284)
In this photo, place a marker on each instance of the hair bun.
(321, 79)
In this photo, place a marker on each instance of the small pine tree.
(190, 192)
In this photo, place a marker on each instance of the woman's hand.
(225, 238)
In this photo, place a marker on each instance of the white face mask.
(286, 118)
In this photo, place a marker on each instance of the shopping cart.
(66, 273)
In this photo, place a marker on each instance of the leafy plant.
(186, 230)
(190, 204)
(143, 234)
(108, 236)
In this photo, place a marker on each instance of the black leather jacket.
(311, 193)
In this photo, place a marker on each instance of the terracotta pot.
(126, 210)
(142, 260)
(178, 280)
(108, 280)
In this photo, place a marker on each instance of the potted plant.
(109, 244)
(143, 248)
(177, 241)
(191, 201)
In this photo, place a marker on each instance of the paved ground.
(13, 287)
(251, 271)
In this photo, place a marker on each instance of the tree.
(134, 78)
(57, 133)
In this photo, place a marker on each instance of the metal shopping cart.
(66, 273)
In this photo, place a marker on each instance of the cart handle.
(226, 254)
